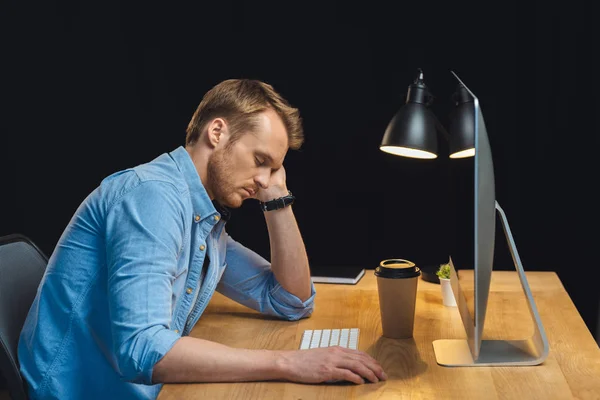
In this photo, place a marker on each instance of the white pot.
(447, 295)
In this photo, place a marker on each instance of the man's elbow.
(299, 314)
(161, 372)
(305, 296)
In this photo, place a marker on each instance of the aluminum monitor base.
(531, 351)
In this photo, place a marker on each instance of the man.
(145, 251)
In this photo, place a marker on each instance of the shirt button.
(202, 247)
(197, 218)
(217, 218)
(176, 331)
(189, 290)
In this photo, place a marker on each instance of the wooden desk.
(571, 371)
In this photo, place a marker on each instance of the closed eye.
(262, 158)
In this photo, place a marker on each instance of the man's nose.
(262, 179)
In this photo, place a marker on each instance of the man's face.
(238, 171)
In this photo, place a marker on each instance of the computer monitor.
(476, 214)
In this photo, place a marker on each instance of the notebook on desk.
(349, 275)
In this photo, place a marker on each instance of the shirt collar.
(201, 202)
(224, 211)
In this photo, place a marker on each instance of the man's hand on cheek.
(277, 187)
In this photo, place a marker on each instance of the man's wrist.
(278, 203)
(281, 365)
(275, 193)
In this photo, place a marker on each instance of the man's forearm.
(288, 254)
(199, 360)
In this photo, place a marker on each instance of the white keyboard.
(346, 337)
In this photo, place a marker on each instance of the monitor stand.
(531, 351)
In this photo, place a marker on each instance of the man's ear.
(216, 132)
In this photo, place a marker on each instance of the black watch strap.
(278, 203)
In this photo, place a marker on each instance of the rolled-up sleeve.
(144, 234)
(249, 280)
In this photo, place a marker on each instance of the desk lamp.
(412, 131)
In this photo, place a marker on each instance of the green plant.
(444, 271)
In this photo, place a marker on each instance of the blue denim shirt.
(124, 283)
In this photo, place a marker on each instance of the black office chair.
(22, 265)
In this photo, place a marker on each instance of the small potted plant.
(444, 274)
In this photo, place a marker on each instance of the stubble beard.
(220, 179)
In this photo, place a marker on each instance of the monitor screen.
(462, 222)
(474, 221)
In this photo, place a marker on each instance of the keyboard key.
(344, 337)
(335, 337)
(316, 338)
(353, 340)
(306, 336)
(325, 338)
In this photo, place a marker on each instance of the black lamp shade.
(411, 132)
(462, 126)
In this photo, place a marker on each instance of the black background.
(89, 88)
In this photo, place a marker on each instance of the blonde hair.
(239, 102)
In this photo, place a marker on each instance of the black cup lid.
(397, 268)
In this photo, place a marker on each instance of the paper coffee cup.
(397, 281)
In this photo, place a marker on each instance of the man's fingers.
(347, 375)
(359, 368)
(373, 365)
(367, 360)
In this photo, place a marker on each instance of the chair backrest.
(22, 266)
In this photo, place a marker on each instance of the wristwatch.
(278, 203)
